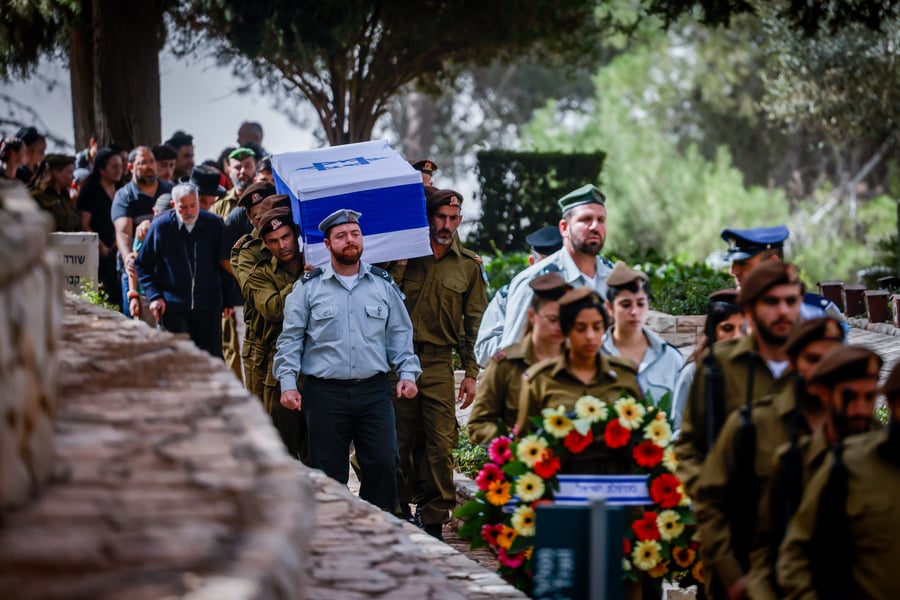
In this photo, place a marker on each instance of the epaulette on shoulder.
(310, 275)
(548, 268)
(620, 362)
(498, 355)
(504, 291)
(381, 273)
(536, 368)
(607, 262)
(471, 254)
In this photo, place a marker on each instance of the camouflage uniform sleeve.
(710, 505)
(689, 445)
(793, 566)
(490, 398)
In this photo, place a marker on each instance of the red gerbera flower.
(489, 533)
(489, 473)
(576, 443)
(626, 547)
(645, 528)
(547, 467)
(648, 454)
(664, 490)
(615, 435)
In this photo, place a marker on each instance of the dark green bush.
(467, 457)
(680, 289)
(501, 268)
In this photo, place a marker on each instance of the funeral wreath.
(524, 472)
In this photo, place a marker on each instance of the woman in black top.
(94, 203)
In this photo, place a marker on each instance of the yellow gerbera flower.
(556, 423)
(523, 520)
(670, 461)
(698, 573)
(658, 431)
(631, 413)
(531, 449)
(646, 554)
(505, 537)
(529, 487)
(591, 407)
(498, 493)
(669, 524)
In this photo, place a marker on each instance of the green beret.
(586, 194)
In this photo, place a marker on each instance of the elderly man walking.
(178, 267)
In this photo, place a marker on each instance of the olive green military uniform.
(267, 286)
(245, 255)
(550, 384)
(445, 298)
(497, 396)
(231, 345)
(736, 360)
(227, 203)
(873, 518)
(761, 583)
(65, 216)
(772, 417)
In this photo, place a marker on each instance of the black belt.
(372, 379)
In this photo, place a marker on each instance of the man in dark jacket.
(178, 267)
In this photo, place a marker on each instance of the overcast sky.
(197, 96)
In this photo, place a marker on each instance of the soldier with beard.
(777, 419)
(345, 326)
(843, 540)
(744, 369)
(583, 230)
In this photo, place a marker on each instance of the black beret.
(764, 277)
(545, 240)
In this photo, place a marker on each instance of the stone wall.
(681, 331)
(30, 317)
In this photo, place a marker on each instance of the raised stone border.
(882, 328)
(30, 316)
(169, 479)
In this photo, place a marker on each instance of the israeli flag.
(368, 177)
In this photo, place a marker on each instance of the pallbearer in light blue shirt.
(345, 326)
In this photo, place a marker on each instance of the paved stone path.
(170, 481)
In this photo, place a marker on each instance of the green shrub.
(468, 458)
(501, 268)
(95, 295)
(680, 288)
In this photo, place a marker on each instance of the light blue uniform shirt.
(332, 332)
(520, 295)
(658, 372)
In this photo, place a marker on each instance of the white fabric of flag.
(369, 177)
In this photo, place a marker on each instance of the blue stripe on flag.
(384, 210)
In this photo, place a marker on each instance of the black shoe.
(435, 530)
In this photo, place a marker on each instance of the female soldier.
(50, 187)
(658, 362)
